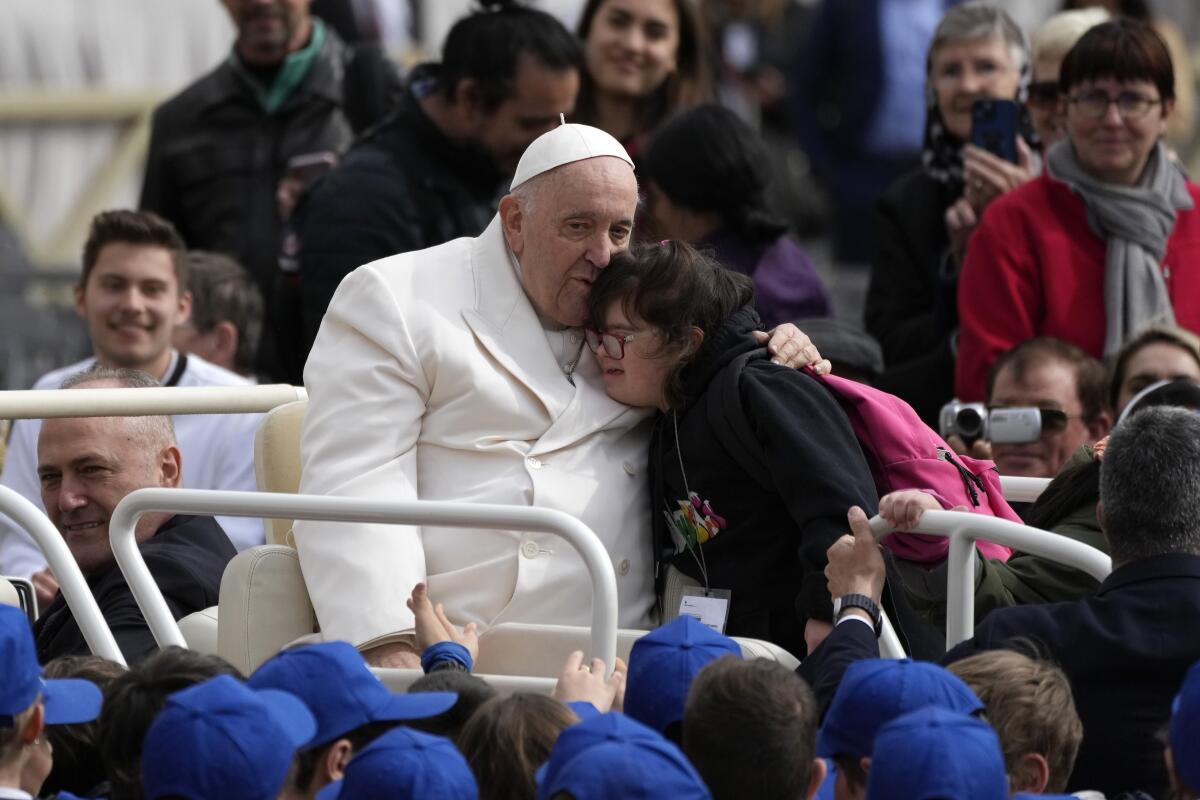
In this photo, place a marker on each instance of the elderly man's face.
(580, 215)
(86, 466)
(1050, 384)
(268, 29)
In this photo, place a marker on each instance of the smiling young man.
(85, 467)
(130, 296)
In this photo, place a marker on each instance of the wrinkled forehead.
(602, 183)
(63, 440)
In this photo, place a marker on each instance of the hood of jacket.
(732, 337)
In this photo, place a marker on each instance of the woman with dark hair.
(508, 738)
(1107, 241)
(706, 174)
(1179, 127)
(925, 217)
(644, 60)
(665, 322)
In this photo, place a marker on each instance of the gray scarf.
(1135, 223)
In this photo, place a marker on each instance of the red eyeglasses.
(613, 344)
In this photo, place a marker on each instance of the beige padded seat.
(8, 594)
(277, 460)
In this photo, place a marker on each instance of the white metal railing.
(74, 588)
(346, 509)
(963, 529)
(52, 403)
(1022, 490)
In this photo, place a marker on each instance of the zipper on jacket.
(969, 479)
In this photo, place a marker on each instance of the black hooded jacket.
(771, 553)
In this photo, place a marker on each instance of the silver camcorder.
(972, 421)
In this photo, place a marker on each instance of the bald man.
(459, 373)
(86, 466)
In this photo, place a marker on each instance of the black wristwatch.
(868, 605)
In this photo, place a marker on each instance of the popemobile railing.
(74, 587)
(964, 529)
(1022, 490)
(171, 400)
(345, 509)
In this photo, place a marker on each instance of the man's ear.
(466, 99)
(170, 462)
(225, 341)
(336, 758)
(818, 777)
(184, 308)
(78, 294)
(512, 221)
(36, 725)
(1100, 426)
(695, 340)
(1031, 774)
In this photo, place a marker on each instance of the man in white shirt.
(131, 296)
(459, 373)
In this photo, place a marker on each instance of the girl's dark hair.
(508, 738)
(691, 83)
(1184, 340)
(709, 159)
(1121, 49)
(78, 767)
(1067, 493)
(486, 47)
(1137, 9)
(673, 287)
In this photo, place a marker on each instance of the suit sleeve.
(899, 311)
(367, 393)
(999, 299)
(157, 192)
(348, 220)
(823, 670)
(815, 460)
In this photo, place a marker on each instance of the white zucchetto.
(565, 144)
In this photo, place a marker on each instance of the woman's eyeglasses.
(613, 344)
(1131, 105)
(1043, 93)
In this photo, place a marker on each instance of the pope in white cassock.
(460, 373)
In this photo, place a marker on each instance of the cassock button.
(533, 462)
(629, 470)
(529, 549)
(623, 567)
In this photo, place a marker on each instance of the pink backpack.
(901, 451)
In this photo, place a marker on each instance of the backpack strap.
(727, 417)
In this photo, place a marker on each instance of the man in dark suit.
(1126, 649)
(86, 466)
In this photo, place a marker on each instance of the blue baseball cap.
(937, 753)
(611, 755)
(405, 763)
(662, 665)
(875, 691)
(1184, 729)
(341, 691)
(221, 740)
(65, 701)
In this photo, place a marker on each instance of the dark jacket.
(771, 554)
(186, 557)
(786, 284)
(216, 157)
(404, 187)
(910, 307)
(1125, 652)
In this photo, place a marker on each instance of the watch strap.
(863, 602)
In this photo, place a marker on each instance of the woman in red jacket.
(1107, 241)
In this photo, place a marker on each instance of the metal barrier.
(345, 509)
(74, 588)
(964, 529)
(1023, 490)
(53, 403)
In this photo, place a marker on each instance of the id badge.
(709, 606)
